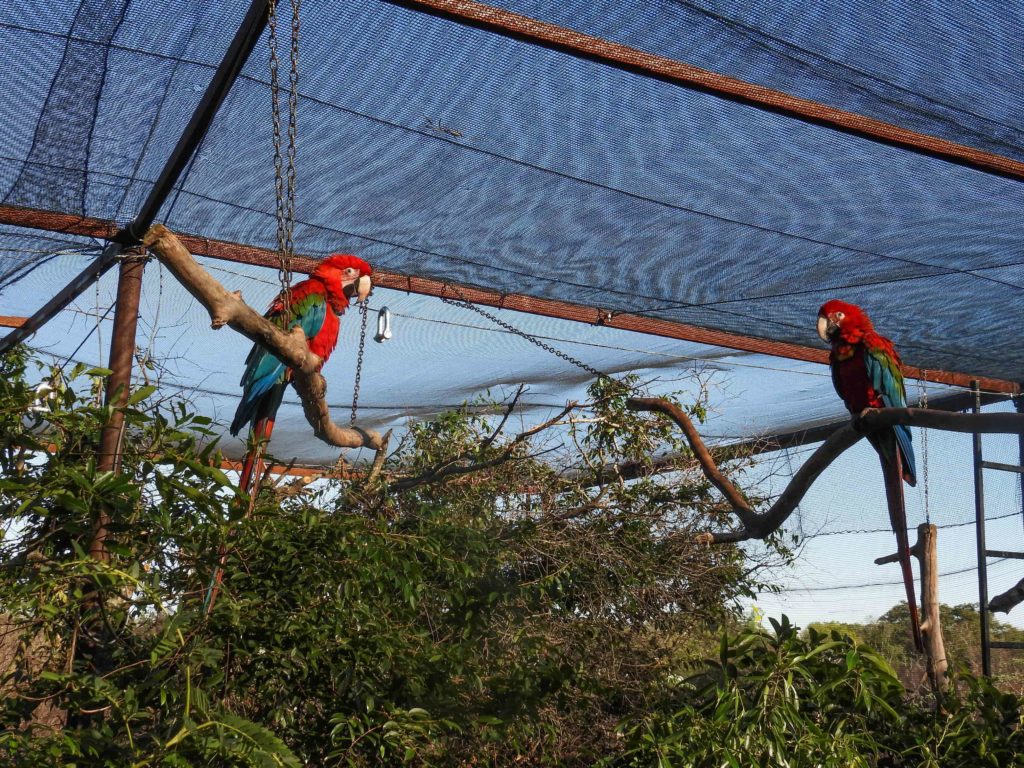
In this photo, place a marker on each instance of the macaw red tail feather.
(252, 468)
(893, 472)
(249, 480)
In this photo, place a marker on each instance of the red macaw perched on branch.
(866, 373)
(316, 305)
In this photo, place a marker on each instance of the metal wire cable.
(899, 583)
(465, 304)
(854, 531)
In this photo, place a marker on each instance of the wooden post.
(926, 551)
(88, 645)
(122, 353)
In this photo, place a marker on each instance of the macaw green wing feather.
(887, 380)
(262, 369)
(886, 377)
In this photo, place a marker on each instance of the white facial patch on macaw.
(827, 326)
(355, 286)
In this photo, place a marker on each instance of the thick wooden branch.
(1009, 599)
(227, 308)
(732, 494)
(926, 551)
(755, 525)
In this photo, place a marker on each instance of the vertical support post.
(1019, 404)
(122, 353)
(979, 520)
(926, 550)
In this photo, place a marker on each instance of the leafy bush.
(782, 699)
(961, 635)
(104, 660)
(477, 605)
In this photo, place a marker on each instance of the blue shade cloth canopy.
(434, 149)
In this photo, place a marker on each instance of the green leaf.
(141, 394)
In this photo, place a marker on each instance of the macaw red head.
(845, 321)
(345, 275)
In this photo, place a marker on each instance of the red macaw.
(316, 305)
(866, 373)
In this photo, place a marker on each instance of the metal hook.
(383, 325)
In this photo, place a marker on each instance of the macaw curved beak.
(360, 288)
(826, 329)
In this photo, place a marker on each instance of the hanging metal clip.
(383, 325)
(48, 391)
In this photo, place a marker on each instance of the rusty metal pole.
(122, 353)
(979, 521)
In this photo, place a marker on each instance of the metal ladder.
(983, 552)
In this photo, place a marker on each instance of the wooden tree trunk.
(926, 550)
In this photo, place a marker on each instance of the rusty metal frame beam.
(424, 286)
(646, 64)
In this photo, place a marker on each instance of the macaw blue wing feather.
(263, 370)
(887, 380)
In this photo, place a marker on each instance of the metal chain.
(364, 308)
(922, 402)
(523, 334)
(293, 111)
(284, 161)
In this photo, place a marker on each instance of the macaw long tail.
(249, 480)
(253, 466)
(893, 472)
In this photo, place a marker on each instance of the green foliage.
(961, 636)
(782, 699)
(479, 605)
(111, 646)
(476, 606)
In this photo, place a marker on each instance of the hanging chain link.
(284, 160)
(462, 302)
(364, 308)
(922, 402)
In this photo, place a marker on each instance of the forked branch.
(227, 308)
(759, 525)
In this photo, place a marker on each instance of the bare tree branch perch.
(1008, 600)
(228, 308)
(755, 525)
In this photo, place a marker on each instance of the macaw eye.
(839, 316)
